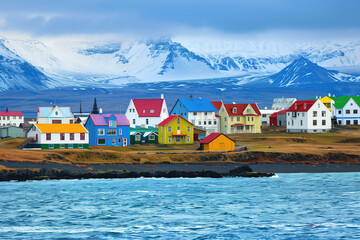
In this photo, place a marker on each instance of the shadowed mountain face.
(302, 71)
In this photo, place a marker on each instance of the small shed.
(199, 133)
(143, 135)
(217, 142)
(11, 132)
(278, 118)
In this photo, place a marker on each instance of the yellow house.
(240, 118)
(176, 130)
(217, 142)
(327, 101)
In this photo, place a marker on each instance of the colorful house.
(108, 130)
(217, 142)
(146, 112)
(143, 135)
(176, 130)
(57, 136)
(278, 118)
(240, 118)
(308, 116)
(199, 111)
(54, 115)
(13, 118)
(346, 110)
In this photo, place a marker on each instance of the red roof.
(276, 113)
(212, 137)
(170, 118)
(217, 104)
(11, 113)
(301, 106)
(148, 107)
(240, 108)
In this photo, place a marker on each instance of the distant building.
(265, 116)
(199, 111)
(240, 118)
(13, 118)
(217, 142)
(108, 130)
(278, 118)
(308, 116)
(346, 110)
(282, 103)
(176, 130)
(11, 132)
(58, 136)
(55, 115)
(143, 135)
(147, 112)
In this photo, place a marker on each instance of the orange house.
(217, 142)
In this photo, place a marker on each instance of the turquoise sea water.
(291, 206)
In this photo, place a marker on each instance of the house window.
(314, 122)
(62, 145)
(209, 122)
(138, 137)
(71, 136)
(323, 122)
(249, 119)
(204, 122)
(133, 121)
(113, 141)
(214, 122)
(301, 122)
(339, 122)
(348, 122)
(177, 139)
(292, 122)
(199, 122)
(247, 127)
(248, 110)
(323, 113)
(205, 113)
(101, 141)
(111, 132)
(234, 110)
(252, 118)
(347, 111)
(70, 146)
(120, 131)
(169, 139)
(303, 114)
(80, 146)
(232, 119)
(339, 111)
(178, 128)
(56, 121)
(62, 136)
(314, 113)
(264, 115)
(147, 121)
(48, 136)
(112, 123)
(188, 129)
(119, 140)
(355, 111)
(288, 114)
(222, 110)
(152, 137)
(71, 121)
(178, 121)
(193, 121)
(152, 111)
(51, 146)
(356, 122)
(101, 132)
(82, 136)
(188, 139)
(195, 113)
(169, 129)
(225, 119)
(238, 119)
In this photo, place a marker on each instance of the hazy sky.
(163, 18)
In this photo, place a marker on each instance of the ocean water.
(290, 206)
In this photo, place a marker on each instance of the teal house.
(143, 135)
(11, 132)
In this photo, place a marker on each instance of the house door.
(36, 137)
(222, 146)
(124, 141)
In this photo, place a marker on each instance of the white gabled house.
(54, 114)
(146, 112)
(308, 116)
(346, 110)
(57, 136)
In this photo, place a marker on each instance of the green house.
(11, 132)
(143, 135)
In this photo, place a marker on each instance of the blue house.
(199, 111)
(108, 130)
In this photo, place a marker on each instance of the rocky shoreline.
(44, 174)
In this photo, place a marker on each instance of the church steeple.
(95, 108)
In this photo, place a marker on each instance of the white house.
(58, 136)
(265, 116)
(282, 103)
(54, 114)
(346, 110)
(308, 116)
(11, 118)
(147, 112)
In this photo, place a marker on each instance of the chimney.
(329, 94)
(162, 96)
(7, 109)
(295, 106)
(234, 103)
(191, 97)
(317, 97)
(304, 105)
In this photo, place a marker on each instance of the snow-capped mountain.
(109, 64)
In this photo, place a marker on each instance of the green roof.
(341, 101)
(144, 130)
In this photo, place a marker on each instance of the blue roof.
(198, 105)
(46, 111)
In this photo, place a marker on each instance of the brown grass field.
(260, 146)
